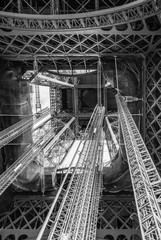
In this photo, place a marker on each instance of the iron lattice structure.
(76, 41)
(153, 105)
(117, 219)
(73, 42)
(25, 217)
(145, 178)
(77, 215)
(58, 7)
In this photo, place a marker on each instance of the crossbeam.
(54, 80)
(9, 134)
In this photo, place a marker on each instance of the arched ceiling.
(63, 34)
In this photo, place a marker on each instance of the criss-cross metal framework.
(145, 178)
(58, 7)
(76, 41)
(25, 217)
(77, 215)
(117, 218)
(42, 145)
(153, 107)
(48, 31)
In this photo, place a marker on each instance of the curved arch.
(109, 237)
(10, 237)
(22, 237)
(130, 12)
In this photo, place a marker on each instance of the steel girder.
(76, 41)
(37, 90)
(15, 130)
(73, 216)
(125, 14)
(145, 178)
(58, 6)
(26, 215)
(153, 105)
(42, 145)
(112, 141)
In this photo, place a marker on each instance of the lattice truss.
(72, 46)
(133, 29)
(61, 6)
(117, 219)
(153, 106)
(25, 217)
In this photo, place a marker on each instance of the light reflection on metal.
(54, 80)
(145, 178)
(44, 144)
(99, 80)
(12, 132)
(72, 217)
(37, 90)
(112, 143)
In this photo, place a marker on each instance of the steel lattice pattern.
(153, 106)
(76, 41)
(63, 6)
(116, 218)
(24, 217)
(49, 48)
(75, 44)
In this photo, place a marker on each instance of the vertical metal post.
(37, 90)
(96, 5)
(117, 86)
(99, 83)
(116, 74)
(42, 173)
(75, 104)
(53, 104)
(104, 94)
(54, 6)
(19, 6)
(144, 102)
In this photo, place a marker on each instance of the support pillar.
(96, 5)
(37, 90)
(75, 105)
(19, 6)
(54, 6)
(99, 97)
